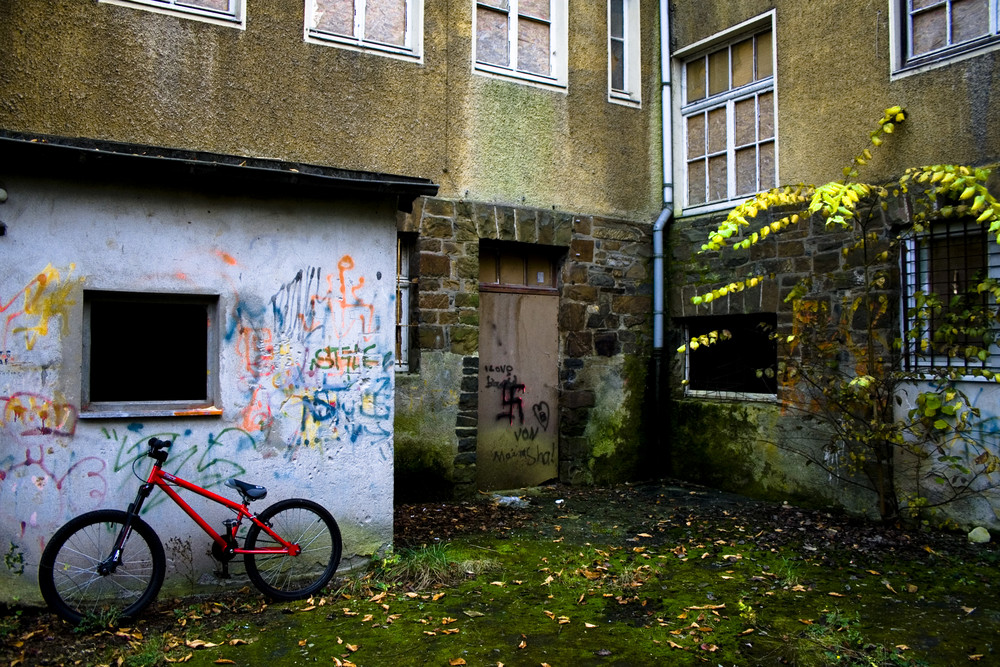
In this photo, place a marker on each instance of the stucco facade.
(832, 71)
(329, 150)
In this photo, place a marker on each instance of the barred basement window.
(950, 262)
(406, 283)
(743, 363)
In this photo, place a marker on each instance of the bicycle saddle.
(250, 491)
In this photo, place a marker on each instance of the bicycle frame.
(165, 481)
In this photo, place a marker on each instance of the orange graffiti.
(226, 257)
(45, 297)
(345, 264)
(39, 415)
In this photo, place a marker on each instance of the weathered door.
(518, 390)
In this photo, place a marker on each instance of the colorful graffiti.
(313, 354)
(35, 414)
(89, 469)
(30, 311)
(208, 462)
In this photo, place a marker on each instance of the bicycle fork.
(111, 563)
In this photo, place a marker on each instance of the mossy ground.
(638, 575)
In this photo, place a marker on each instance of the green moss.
(614, 429)
(730, 446)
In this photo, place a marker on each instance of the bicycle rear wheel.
(301, 522)
(68, 576)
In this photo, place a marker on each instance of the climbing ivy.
(841, 359)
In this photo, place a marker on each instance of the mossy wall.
(744, 448)
(614, 429)
(426, 444)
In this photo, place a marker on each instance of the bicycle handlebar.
(155, 446)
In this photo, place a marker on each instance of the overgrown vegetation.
(894, 414)
(631, 575)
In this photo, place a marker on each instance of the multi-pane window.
(522, 38)
(229, 11)
(114, 380)
(938, 28)
(624, 78)
(728, 113)
(950, 321)
(392, 26)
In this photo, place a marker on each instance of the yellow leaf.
(589, 625)
(456, 661)
(198, 643)
(237, 642)
(523, 644)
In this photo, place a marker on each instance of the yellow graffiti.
(45, 297)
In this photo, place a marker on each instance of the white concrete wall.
(982, 506)
(63, 238)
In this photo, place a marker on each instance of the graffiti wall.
(302, 334)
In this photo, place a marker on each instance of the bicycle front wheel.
(301, 522)
(68, 571)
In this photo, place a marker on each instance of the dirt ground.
(789, 556)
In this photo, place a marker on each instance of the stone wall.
(605, 310)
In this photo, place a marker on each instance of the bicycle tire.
(302, 522)
(67, 571)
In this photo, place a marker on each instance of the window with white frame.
(406, 283)
(950, 322)
(215, 11)
(123, 331)
(932, 31)
(728, 111)
(624, 74)
(524, 39)
(393, 27)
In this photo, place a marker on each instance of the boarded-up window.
(939, 24)
(624, 80)
(520, 37)
(386, 25)
(221, 10)
(517, 266)
(729, 120)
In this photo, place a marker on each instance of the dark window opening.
(143, 348)
(742, 361)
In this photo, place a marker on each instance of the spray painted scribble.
(313, 354)
(90, 468)
(30, 311)
(205, 460)
(34, 414)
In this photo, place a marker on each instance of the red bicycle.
(112, 562)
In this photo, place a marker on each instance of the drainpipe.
(661, 226)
